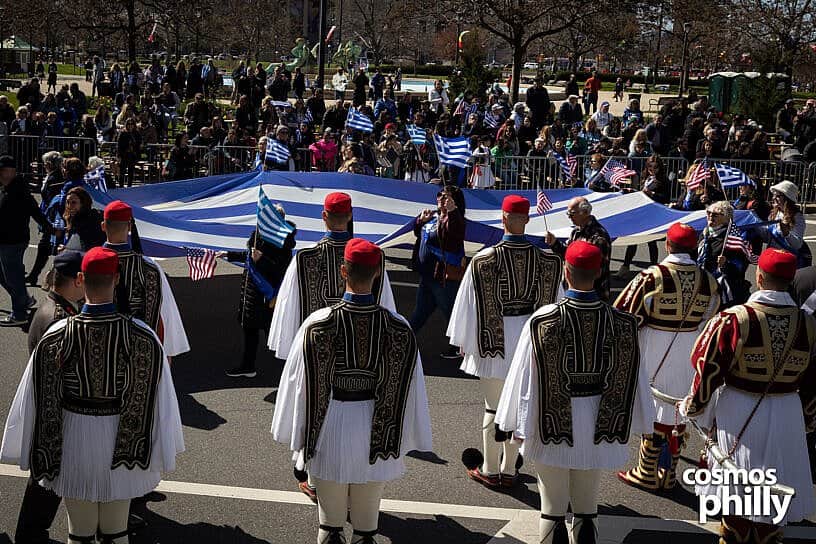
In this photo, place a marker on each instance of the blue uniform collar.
(99, 309)
(514, 238)
(117, 247)
(355, 298)
(343, 236)
(583, 296)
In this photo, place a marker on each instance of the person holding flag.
(503, 285)
(727, 264)
(278, 151)
(312, 281)
(265, 262)
(788, 232)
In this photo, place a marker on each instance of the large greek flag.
(220, 212)
(452, 151)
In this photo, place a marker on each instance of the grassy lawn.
(12, 98)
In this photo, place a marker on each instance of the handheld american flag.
(734, 240)
(698, 177)
(543, 204)
(569, 166)
(615, 171)
(202, 263)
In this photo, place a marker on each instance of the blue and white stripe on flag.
(276, 151)
(308, 117)
(96, 178)
(731, 177)
(281, 103)
(359, 121)
(452, 151)
(562, 162)
(272, 227)
(418, 135)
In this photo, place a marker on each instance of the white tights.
(560, 487)
(109, 518)
(498, 456)
(336, 501)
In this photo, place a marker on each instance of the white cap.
(788, 189)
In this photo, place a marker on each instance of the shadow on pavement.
(443, 529)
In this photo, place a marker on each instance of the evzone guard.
(95, 417)
(313, 281)
(143, 290)
(503, 286)
(574, 394)
(755, 388)
(352, 400)
(672, 302)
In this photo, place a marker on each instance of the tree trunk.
(574, 62)
(131, 31)
(519, 51)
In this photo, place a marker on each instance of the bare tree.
(519, 23)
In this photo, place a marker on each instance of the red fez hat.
(363, 252)
(584, 255)
(337, 203)
(390, 126)
(118, 211)
(682, 235)
(779, 263)
(516, 204)
(100, 260)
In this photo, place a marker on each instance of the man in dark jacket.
(538, 100)
(335, 117)
(316, 105)
(586, 228)
(265, 265)
(360, 82)
(17, 207)
(571, 111)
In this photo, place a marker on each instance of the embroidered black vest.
(95, 365)
(359, 353)
(139, 290)
(585, 349)
(319, 279)
(511, 279)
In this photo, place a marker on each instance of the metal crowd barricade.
(152, 168)
(229, 159)
(807, 191)
(26, 153)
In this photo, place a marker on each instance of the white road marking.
(522, 523)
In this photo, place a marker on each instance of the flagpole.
(436, 148)
(726, 237)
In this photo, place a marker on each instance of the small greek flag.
(565, 166)
(418, 135)
(452, 151)
(281, 103)
(490, 120)
(359, 121)
(732, 177)
(96, 179)
(308, 117)
(272, 227)
(276, 151)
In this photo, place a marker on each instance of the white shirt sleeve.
(289, 418)
(463, 323)
(19, 429)
(511, 413)
(286, 317)
(387, 295)
(175, 338)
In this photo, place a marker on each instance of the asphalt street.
(235, 485)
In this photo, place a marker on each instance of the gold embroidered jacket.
(139, 292)
(745, 344)
(680, 296)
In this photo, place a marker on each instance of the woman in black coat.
(255, 306)
(83, 223)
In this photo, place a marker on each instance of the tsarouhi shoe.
(241, 372)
